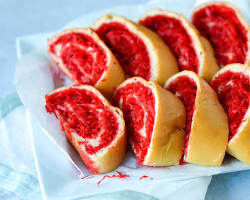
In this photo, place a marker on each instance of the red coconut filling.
(137, 102)
(185, 89)
(233, 90)
(82, 112)
(221, 26)
(129, 49)
(176, 37)
(81, 55)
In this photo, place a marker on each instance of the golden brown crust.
(113, 77)
(162, 60)
(167, 142)
(110, 158)
(204, 51)
(209, 129)
(210, 66)
(114, 74)
(239, 15)
(239, 145)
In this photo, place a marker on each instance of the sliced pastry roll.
(140, 51)
(223, 25)
(192, 51)
(85, 59)
(155, 119)
(232, 84)
(206, 124)
(94, 127)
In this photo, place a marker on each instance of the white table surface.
(22, 17)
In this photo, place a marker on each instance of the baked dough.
(155, 119)
(206, 125)
(233, 88)
(94, 127)
(140, 51)
(193, 51)
(224, 26)
(85, 59)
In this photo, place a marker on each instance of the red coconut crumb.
(221, 25)
(172, 31)
(142, 177)
(139, 112)
(81, 64)
(77, 110)
(186, 89)
(233, 90)
(118, 175)
(129, 49)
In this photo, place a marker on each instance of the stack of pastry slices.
(175, 92)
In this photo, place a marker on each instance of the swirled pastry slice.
(84, 58)
(140, 51)
(232, 84)
(224, 26)
(94, 127)
(155, 119)
(206, 125)
(193, 52)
